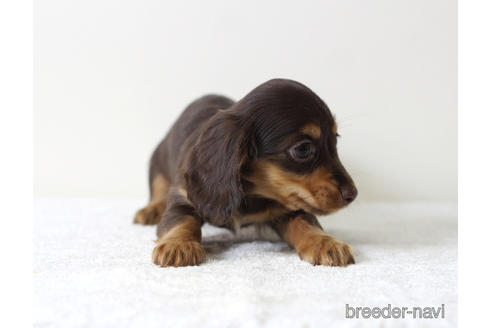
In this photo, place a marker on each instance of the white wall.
(111, 77)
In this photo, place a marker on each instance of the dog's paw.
(178, 254)
(326, 250)
(151, 214)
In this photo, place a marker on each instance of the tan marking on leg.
(180, 246)
(315, 246)
(152, 213)
(311, 130)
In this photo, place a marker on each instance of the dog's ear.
(213, 173)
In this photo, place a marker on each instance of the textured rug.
(92, 268)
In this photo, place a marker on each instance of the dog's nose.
(349, 192)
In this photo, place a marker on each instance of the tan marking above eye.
(334, 129)
(311, 130)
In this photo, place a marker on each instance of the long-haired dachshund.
(269, 159)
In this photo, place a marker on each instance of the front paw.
(177, 254)
(326, 250)
(151, 214)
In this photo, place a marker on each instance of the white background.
(112, 76)
(16, 82)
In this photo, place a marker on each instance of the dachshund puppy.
(269, 159)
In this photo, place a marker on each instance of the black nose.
(349, 192)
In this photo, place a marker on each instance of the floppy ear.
(213, 174)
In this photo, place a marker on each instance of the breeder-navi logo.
(395, 312)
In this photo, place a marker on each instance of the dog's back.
(187, 128)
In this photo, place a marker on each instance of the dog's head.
(278, 142)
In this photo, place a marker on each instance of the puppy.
(269, 159)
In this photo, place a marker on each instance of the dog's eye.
(302, 151)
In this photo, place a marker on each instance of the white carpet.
(92, 268)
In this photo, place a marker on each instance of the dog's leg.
(179, 235)
(152, 213)
(304, 233)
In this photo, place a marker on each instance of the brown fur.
(266, 215)
(152, 213)
(334, 129)
(315, 246)
(315, 192)
(311, 130)
(232, 164)
(180, 246)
